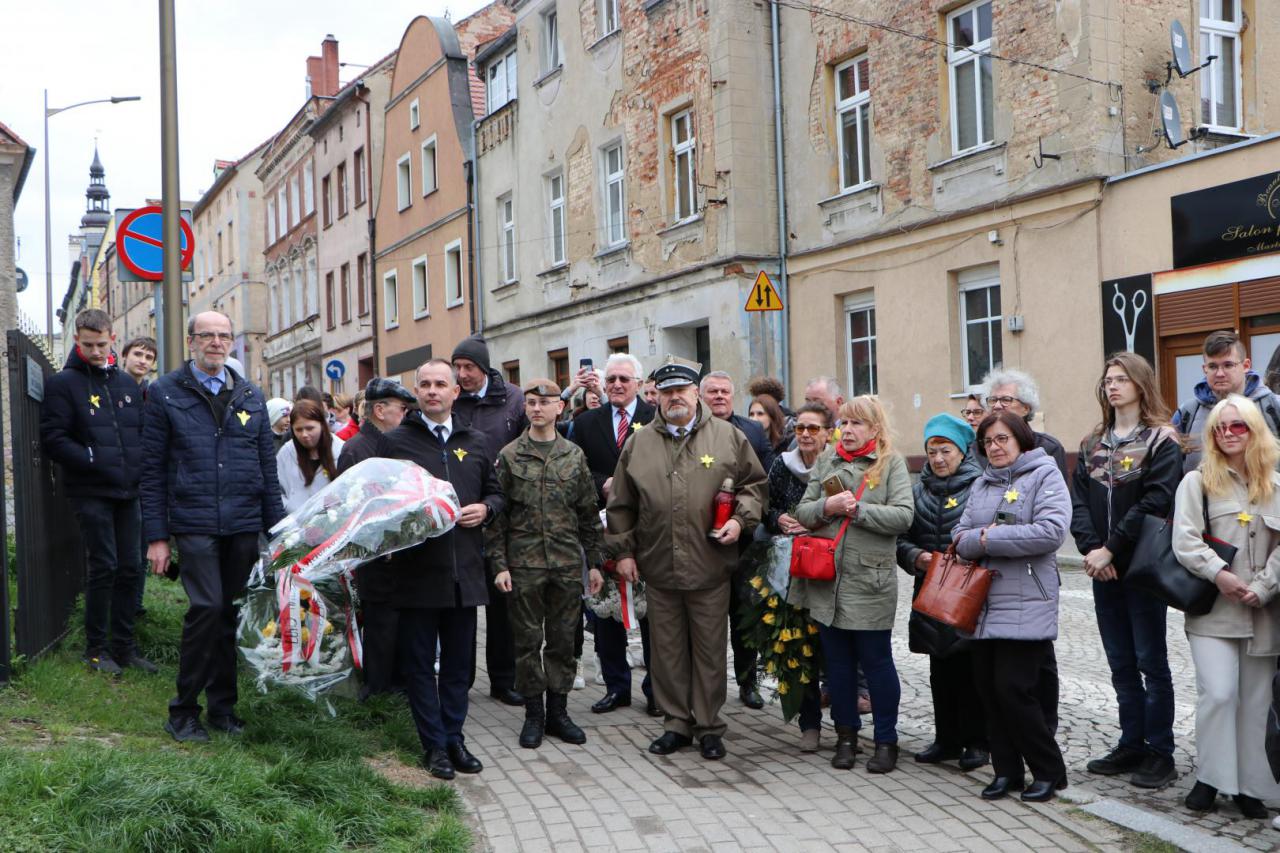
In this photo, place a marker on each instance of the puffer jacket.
(939, 501)
(91, 425)
(204, 476)
(1116, 483)
(1254, 530)
(1193, 414)
(498, 415)
(864, 594)
(1023, 601)
(788, 478)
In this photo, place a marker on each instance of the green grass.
(85, 765)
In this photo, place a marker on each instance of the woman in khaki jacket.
(1235, 645)
(855, 611)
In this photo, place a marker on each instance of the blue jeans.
(1132, 625)
(843, 651)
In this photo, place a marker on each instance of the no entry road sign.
(140, 243)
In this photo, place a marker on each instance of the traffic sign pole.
(170, 195)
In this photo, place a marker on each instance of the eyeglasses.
(1003, 401)
(1116, 381)
(808, 429)
(973, 413)
(1224, 366)
(1233, 428)
(618, 380)
(992, 440)
(206, 337)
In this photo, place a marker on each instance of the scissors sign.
(1120, 304)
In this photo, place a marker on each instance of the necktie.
(623, 424)
(440, 434)
(680, 431)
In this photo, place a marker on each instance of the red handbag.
(813, 557)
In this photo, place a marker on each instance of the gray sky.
(241, 76)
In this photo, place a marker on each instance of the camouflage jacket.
(551, 515)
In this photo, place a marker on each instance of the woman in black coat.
(940, 497)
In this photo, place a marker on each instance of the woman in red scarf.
(859, 492)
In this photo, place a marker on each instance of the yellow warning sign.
(762, 296)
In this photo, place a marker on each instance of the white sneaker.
(579, 683)
(599, 679)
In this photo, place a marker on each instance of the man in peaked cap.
(660, 517)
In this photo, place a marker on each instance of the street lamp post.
(48, 229)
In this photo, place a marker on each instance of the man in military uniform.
(534, 549)
(660, 517)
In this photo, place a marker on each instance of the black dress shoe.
(1001, 786)
(463, 761)
(186, 730)
(611, 702)
(228, 724)
(1250, 807)
(750, 697)
(972, 758)
(436, 762)
(1203, 798)
(1041, 790)
(651, 707)
(506, 696)
(712, 747)
(936, 752)
(669, 743)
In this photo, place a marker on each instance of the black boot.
(535, 721)
(558, 722)
(843, 759)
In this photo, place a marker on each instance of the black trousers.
(744, 659)
(214, 571)
(957, 711)
(1010, 678)
(438, 702)
(611, 647)
(380, 634)
(111, 533)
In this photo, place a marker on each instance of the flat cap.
(385, 389)
(676, 371)
(542, 387)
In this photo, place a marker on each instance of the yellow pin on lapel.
(244, 418)
(707, 460)
(1244, 518)
(1126, 463)
(1011, 496)
(636, 426)
(951, 503)
(95, 401)
(460, 453)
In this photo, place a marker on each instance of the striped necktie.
(623, 426)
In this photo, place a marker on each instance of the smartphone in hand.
(832, 486)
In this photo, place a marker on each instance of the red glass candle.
(722, 506)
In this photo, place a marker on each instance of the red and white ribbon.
(626, 596)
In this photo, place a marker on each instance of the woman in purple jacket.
(1014, 523)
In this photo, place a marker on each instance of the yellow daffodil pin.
(951, 503)
(95, 401)
(1126, 463)
(244, 418)
(707, 460)
(1244, 518)
(460, 453)
(1011, 495)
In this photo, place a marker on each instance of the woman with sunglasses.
(1128, 468)
(1235, 645)
(1014, 523)
(871, 491)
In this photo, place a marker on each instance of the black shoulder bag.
(1155, 569)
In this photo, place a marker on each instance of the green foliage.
(85, 764)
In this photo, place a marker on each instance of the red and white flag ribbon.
(627, 599)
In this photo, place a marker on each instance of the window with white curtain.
(683, 150)
(1220, 27)
(980, 322)
(555, 197)
(507, 216)
(853, 121)
(614, 199)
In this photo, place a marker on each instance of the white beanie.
(277, 408)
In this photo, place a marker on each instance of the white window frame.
(555, 216)
(610, 20)
(454, 273)
(859, 105)
(308, 188)
(430, 180)
(404, 181)
(614, 183)
(500, 81)
(414, 115)
(978, 278)
(282, 212)
(390, 300)
(957, 57)
(1213, 32)
(688, 174)
(857, 305)
(271, 221)
(507, 240)
(550, 41)
(421, 288)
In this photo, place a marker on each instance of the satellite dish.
(1170, 120)
(23, 281)
(1181, 49)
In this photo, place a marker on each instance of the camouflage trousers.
(546, 606)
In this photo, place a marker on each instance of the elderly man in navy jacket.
(210, 481)
(91, 424)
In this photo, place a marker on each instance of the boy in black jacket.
(91, 424)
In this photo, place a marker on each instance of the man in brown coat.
(660, 518)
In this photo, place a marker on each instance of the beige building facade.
(951, 211)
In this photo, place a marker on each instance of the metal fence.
(50, 557)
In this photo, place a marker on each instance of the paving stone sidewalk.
(613, 795)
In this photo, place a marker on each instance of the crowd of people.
(655, 486)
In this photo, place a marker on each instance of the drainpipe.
(780, 166)
(373, 233)
(473, 228)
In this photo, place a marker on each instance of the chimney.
(322, 70)
(315, 76)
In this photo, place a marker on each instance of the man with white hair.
(601, 433)
(1016, 391)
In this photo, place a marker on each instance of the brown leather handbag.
(954, 590)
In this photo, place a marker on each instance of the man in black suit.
(601, 432)
(716, 390)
